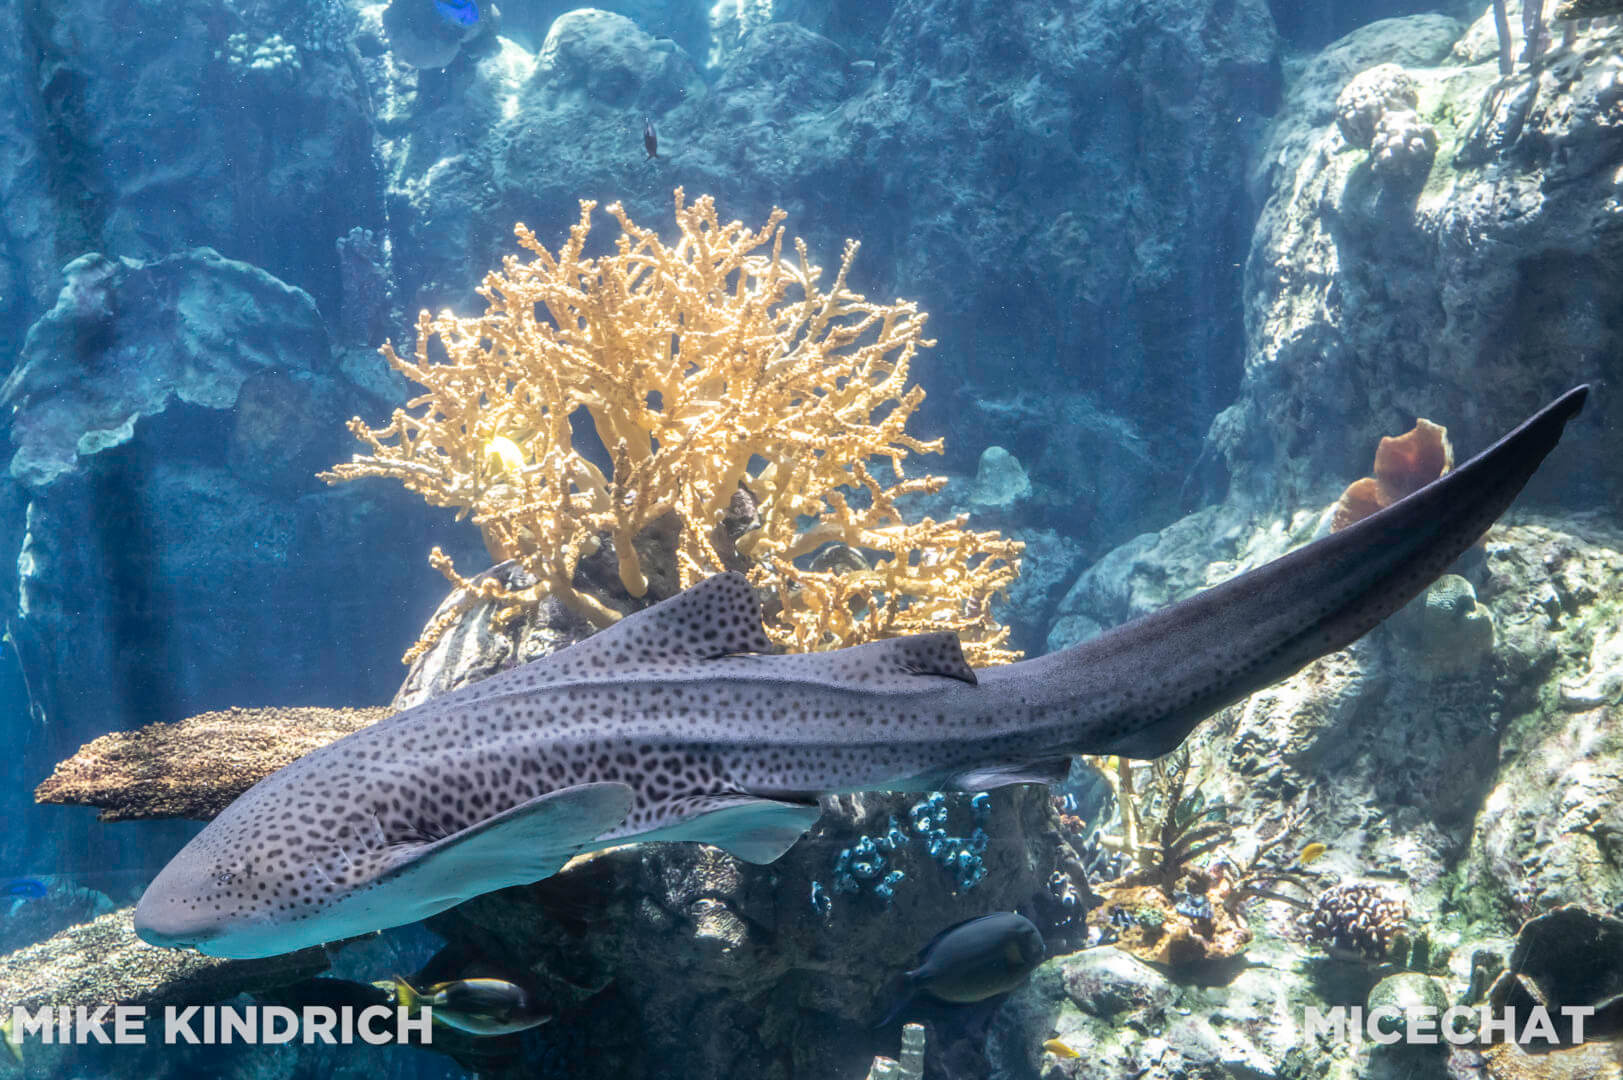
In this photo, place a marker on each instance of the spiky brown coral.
(1358, 919)
(705, 368)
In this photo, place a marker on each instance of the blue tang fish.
(460, 12)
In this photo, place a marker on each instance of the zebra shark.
(678, 724)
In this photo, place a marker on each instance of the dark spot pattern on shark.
(675, 724)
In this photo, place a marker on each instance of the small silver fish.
(476, 1006)
(650, 137)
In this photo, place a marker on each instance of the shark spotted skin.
(677, 724)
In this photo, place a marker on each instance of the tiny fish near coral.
(677, 723)
(26, 888)
(459, 12)
(1060, 1049)
(476, 1006)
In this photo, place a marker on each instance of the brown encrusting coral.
(196, 767)
(703, 370)
(1403, 464)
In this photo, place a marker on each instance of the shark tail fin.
(1186, 661)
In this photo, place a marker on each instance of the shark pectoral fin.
(753, 829)
(522, 844)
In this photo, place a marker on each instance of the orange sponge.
(1403, 464)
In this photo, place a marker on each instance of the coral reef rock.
(1485, 287)
(1370, 96)
(1132, 1021)
(125, 338)
(1569, 956)
(128, 970)
(1446, 627)
(196, 767)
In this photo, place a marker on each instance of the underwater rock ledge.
(196, 767)
(129, 971)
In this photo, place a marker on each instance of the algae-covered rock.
(1408, 993)
(1571, 956)
(1128, 1019)
(1445, 626)
(1549, 830)
(103, 962)
(127, 338)
(1459, 301)
(1370, 96)
(196, 767)
(1001, 483)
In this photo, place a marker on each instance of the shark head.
(253, 884)
(318, 853)
(197, 902)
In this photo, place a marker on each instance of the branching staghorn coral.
(707, 369)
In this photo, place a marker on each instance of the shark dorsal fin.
(715, 628)
(717, 617)
(891, 664)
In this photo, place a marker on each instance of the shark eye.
(225, 877)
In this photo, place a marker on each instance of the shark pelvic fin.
(526, 843)
(1002, 774)
(754, 829)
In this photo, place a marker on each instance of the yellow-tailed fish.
(13, 1041)
(476, 1006)
(1312, 853)
(506, 453)
(1060, 1049)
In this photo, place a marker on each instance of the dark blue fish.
(26, 888)
(460, 12)
(971, 962)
